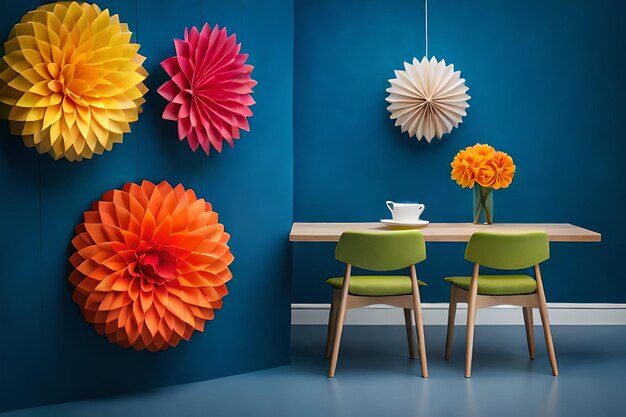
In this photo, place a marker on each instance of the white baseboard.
(437, 314)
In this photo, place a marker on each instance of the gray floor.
(376, 378)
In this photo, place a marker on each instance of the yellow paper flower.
(70, 81)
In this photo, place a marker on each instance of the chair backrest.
(508, 250)
(381, 251)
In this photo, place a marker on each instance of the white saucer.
(419, 223)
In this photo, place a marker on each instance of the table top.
(443, 232)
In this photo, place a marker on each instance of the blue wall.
(547, 83)
(47, 352)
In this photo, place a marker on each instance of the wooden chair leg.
(530, 333)
(408, 323)
(332, 320)
(451, 317)
(419, 322)
(545, 321)
(341, 315)
(471, 321)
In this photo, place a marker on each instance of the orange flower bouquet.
(488, 169)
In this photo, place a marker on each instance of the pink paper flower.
(210, 89)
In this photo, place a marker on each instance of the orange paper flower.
(483, 165)
(468, 163)
(501, 170)
(70, 81)
(483, 151)
(151, 264)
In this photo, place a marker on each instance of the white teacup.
(405, 212)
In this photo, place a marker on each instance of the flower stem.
(478, 210)
(488, 214)
(482, 205)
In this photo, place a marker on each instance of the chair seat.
(498, 284)
(376, 285)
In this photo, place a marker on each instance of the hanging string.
(426, 24)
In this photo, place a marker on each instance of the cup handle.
(390, 206)
(421, 209)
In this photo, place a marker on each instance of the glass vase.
(483, 205)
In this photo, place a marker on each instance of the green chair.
(504, 252)
(377, 251)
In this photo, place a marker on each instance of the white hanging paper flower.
(428, 98)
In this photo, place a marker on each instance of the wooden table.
(443, 232)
